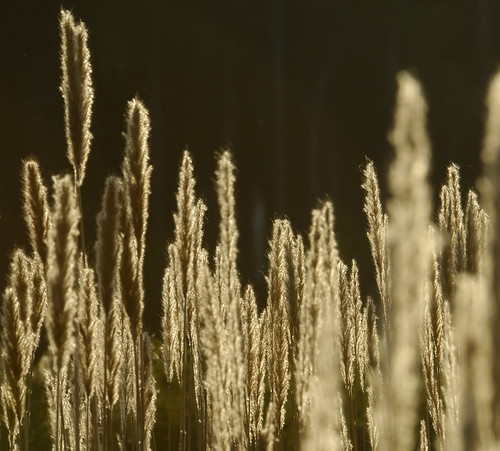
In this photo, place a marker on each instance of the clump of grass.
(320, 366)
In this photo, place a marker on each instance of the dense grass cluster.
(321, 367)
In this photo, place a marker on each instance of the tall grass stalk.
(279, 323)
(409, 220)
(136, 189)
(61, 266)
(230, 291)
(180, 302)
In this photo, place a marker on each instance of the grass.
(320, 367)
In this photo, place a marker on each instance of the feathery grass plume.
(38, 310)
(193, 364)
(296, 286)
(137, 171)
(296, 267)
(77, 92)
(185, 256)
(230, 294)
(331, 253)
(255, 370)
(192, 388)
(21, 282)
(16, 355)
(149, 391)
(311, 310)
(61, 269)
(199, 256)
(136, 190)
(377, 236)
(321, 287)
(489, 190)
(132, 300)
(476, 227)
(61, 264)
(131, 297)
(472, 320)
(357, 320)
(409, 211)
(279, 328)
(108, 244)
(451, 223)
(346, 329)
(351, 337)
(110, 266)
(180, 270)
(228, 231)
(213, 341)
(35, 207)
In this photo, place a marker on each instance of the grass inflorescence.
(321, 366)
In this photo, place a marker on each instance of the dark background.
(300, 90)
